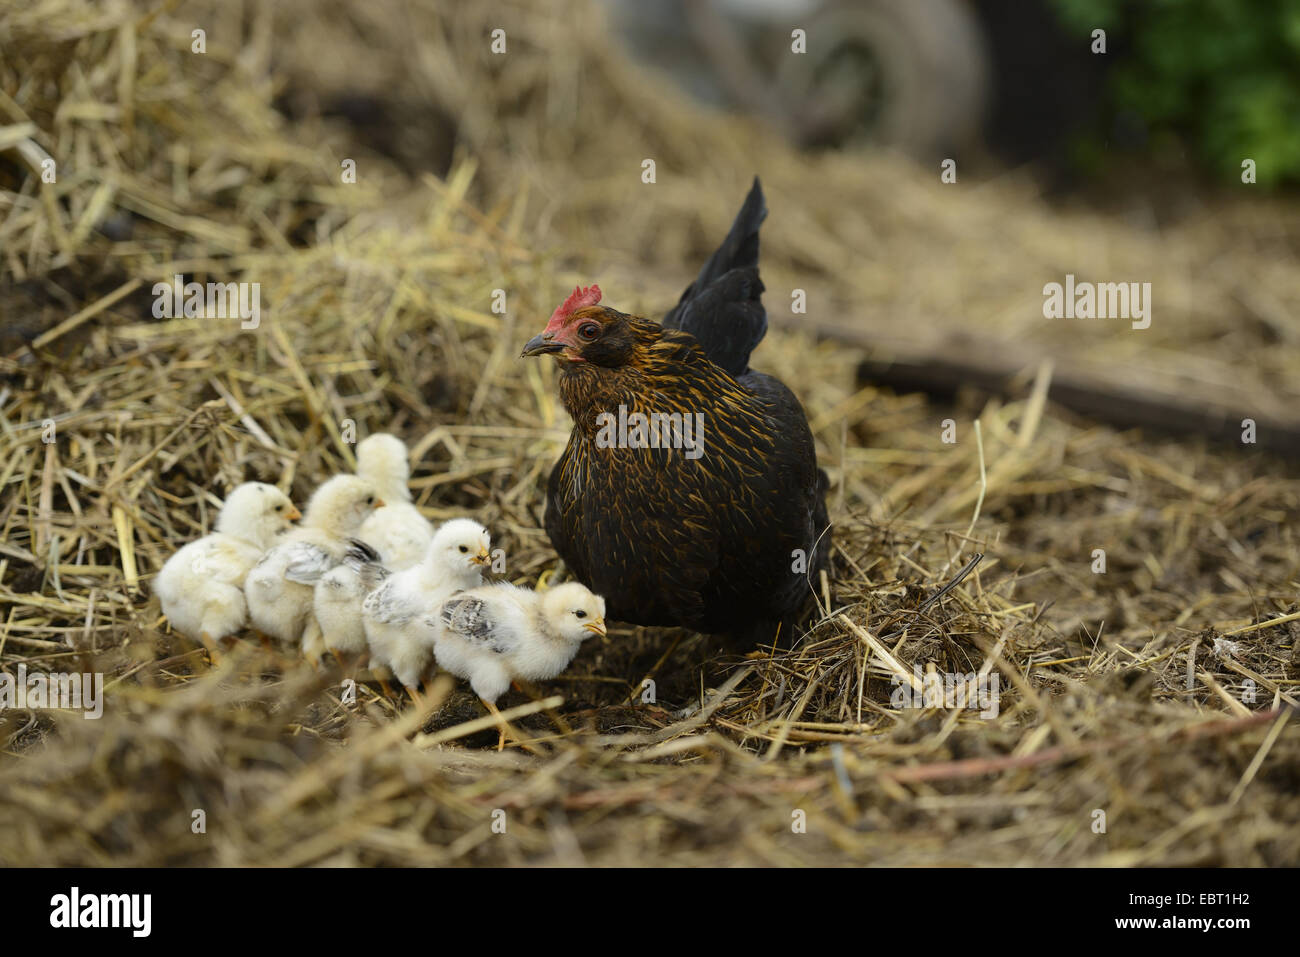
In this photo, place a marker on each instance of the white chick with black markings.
(340, 594)
(498, 633)
(201, 587)
(399, 612)
(399, 532)
(281, 587)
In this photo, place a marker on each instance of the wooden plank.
(1125, 397)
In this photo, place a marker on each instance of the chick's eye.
(580, 613)
(279, 508)
(464, 548)
(370, 500)
(589, 330)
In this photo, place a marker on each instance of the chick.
(340, 593)
(398, 614)
(498, 633)
(201, 587)
(400, 533)
(280, 588)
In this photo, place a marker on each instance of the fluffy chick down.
(495, 634)
(398, 614)
(201, 587)
(281, 587)
(398, 532)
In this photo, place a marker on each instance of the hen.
(712, 514)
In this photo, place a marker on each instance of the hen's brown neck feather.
(664, 370)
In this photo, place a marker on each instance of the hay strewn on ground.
(376, 298)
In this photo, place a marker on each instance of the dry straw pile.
(1118, 690)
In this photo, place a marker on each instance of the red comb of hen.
(580, 298)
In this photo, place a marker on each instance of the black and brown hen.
(689, 493)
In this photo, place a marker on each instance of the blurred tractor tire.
(909, 74)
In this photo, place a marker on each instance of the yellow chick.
(339, 594)
(201, 586)
(399, 532)
(495, 634)
(397, 613)
(281, 587)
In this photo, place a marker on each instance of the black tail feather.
(737, 251)
(723, 308)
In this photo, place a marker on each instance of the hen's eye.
(464, 549)
(580, 613)
(589, 330)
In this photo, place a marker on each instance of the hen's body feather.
(707, 544)
(713, 543)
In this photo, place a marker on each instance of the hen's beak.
(596, 627)
(482, 558)
(294, 514)
(540, 345)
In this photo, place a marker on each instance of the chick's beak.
(379, 503)
(293, 514)
(596, 627)
(482, 558)
(541, 344)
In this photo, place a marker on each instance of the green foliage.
(1223, 74)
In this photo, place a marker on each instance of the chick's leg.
(505, 726)
(551, 576)
(381, 674)
(313, 642)
(213, 648)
